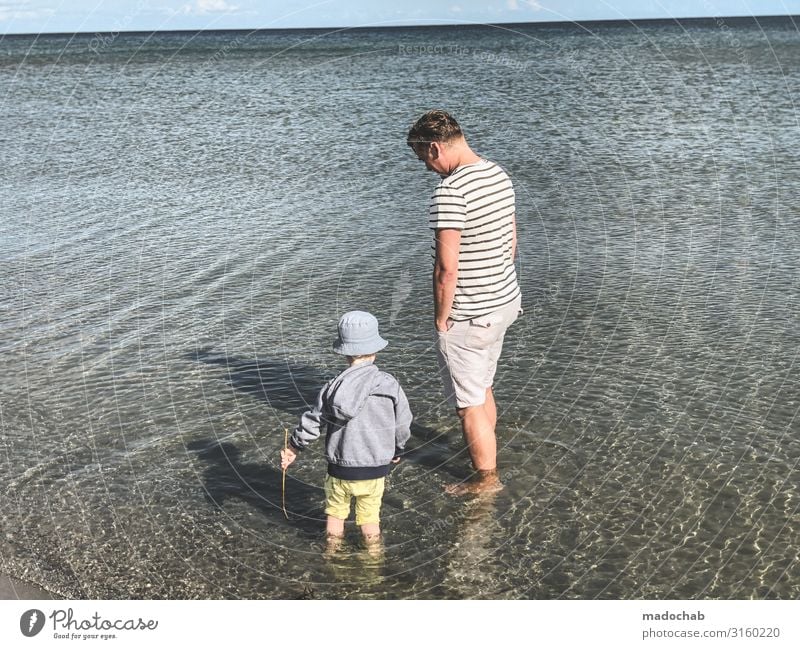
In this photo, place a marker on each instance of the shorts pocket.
(488, 321)
(450, 325)
(484, 330)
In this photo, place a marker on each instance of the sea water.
(186, 215)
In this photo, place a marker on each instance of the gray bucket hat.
(358, 335)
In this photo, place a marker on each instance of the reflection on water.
(178, 246)
(469, 572)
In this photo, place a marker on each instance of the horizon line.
(542, 23)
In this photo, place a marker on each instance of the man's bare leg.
(491, 408)
(478, 426)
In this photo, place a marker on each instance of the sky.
(42, 16)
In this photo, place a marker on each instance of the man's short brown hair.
(434, 126)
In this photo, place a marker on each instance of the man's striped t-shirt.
(478, 199)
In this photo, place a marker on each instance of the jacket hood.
(349, 391)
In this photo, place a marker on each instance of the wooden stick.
(283, 482)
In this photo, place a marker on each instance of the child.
(366, 419)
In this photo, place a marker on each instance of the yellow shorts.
(368, 495)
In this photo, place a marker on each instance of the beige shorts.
(468, 352)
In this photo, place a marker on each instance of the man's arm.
(445, 275)
(514, 238)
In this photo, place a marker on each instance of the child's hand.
(287, 457)
(396, 459)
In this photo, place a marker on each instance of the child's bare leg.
(335, 534)
(372, 538)
(371, 533)
(335, 528)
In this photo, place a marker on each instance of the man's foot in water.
(482, 482)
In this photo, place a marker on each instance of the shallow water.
(185, 218)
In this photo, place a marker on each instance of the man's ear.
(436, 149)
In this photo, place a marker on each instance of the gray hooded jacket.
(366, 418)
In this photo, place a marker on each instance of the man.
(475, 291)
